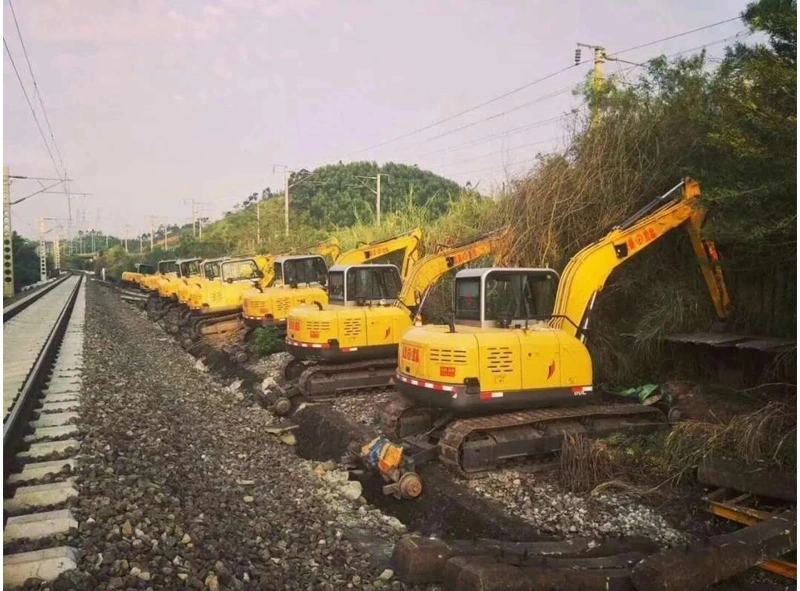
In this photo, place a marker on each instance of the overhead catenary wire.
(504, 151)
(671, 37)
(37, 93)
(533, 83)
(740, 34)
(33, 111)
(493, 117)
(499, 135)
(471, 109)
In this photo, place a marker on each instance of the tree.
(26, 261)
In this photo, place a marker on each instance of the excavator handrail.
(647, 209)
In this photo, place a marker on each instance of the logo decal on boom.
(551, 370)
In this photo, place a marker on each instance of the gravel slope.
(182, 484)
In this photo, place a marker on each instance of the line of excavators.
(505, 375)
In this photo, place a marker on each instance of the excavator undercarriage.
(477, 444)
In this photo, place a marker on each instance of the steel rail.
(15, 424)
(16, 307)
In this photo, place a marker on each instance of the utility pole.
(127, 231)
(376, 192)
(597, 75)
(286, 172)
(194, 215)
(258, 222)
(57, 253)
(599, 59)
(152, 232)
(8, 251)
(42, 252)
(166, 231)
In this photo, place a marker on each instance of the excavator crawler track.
(473, 445)
(326, 381)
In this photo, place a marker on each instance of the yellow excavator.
(510, 374)
(149, 283)
(219, 301)
(215, 306)
(131, 278)
(177, 316)
(167, 287)
(301, 279)
(354, 339)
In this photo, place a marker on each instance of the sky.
(153, 103)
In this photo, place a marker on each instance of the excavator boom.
(408, 242)
(329, 249)
(430, 268)
(587, 272)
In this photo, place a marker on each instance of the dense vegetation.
(26, 261)
(340, 195)
(732, 126)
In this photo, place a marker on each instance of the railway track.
(25, 300)
(42, 362)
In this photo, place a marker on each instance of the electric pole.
(127, 231)
(152, 232)
(599, 59)
(376, 192)
(42, 252)
(286, 172)
(8, 251)
(57, 254)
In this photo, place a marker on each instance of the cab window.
(240, 270)
(364, 283)
(468, 299)
(336, 286)
(212, 270)
(310, 270)
(518, 296)
(189, 269)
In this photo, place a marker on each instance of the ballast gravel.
(185, 484)
(566, 514)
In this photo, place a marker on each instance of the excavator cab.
(189, 268)
(300, 270)
(212, 270)
(504, 298)
(240, 271)
(308, 278)
(363, 285)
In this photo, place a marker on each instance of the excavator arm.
(329, 248)
(431, 267)
(408, 242)
(587, 272)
